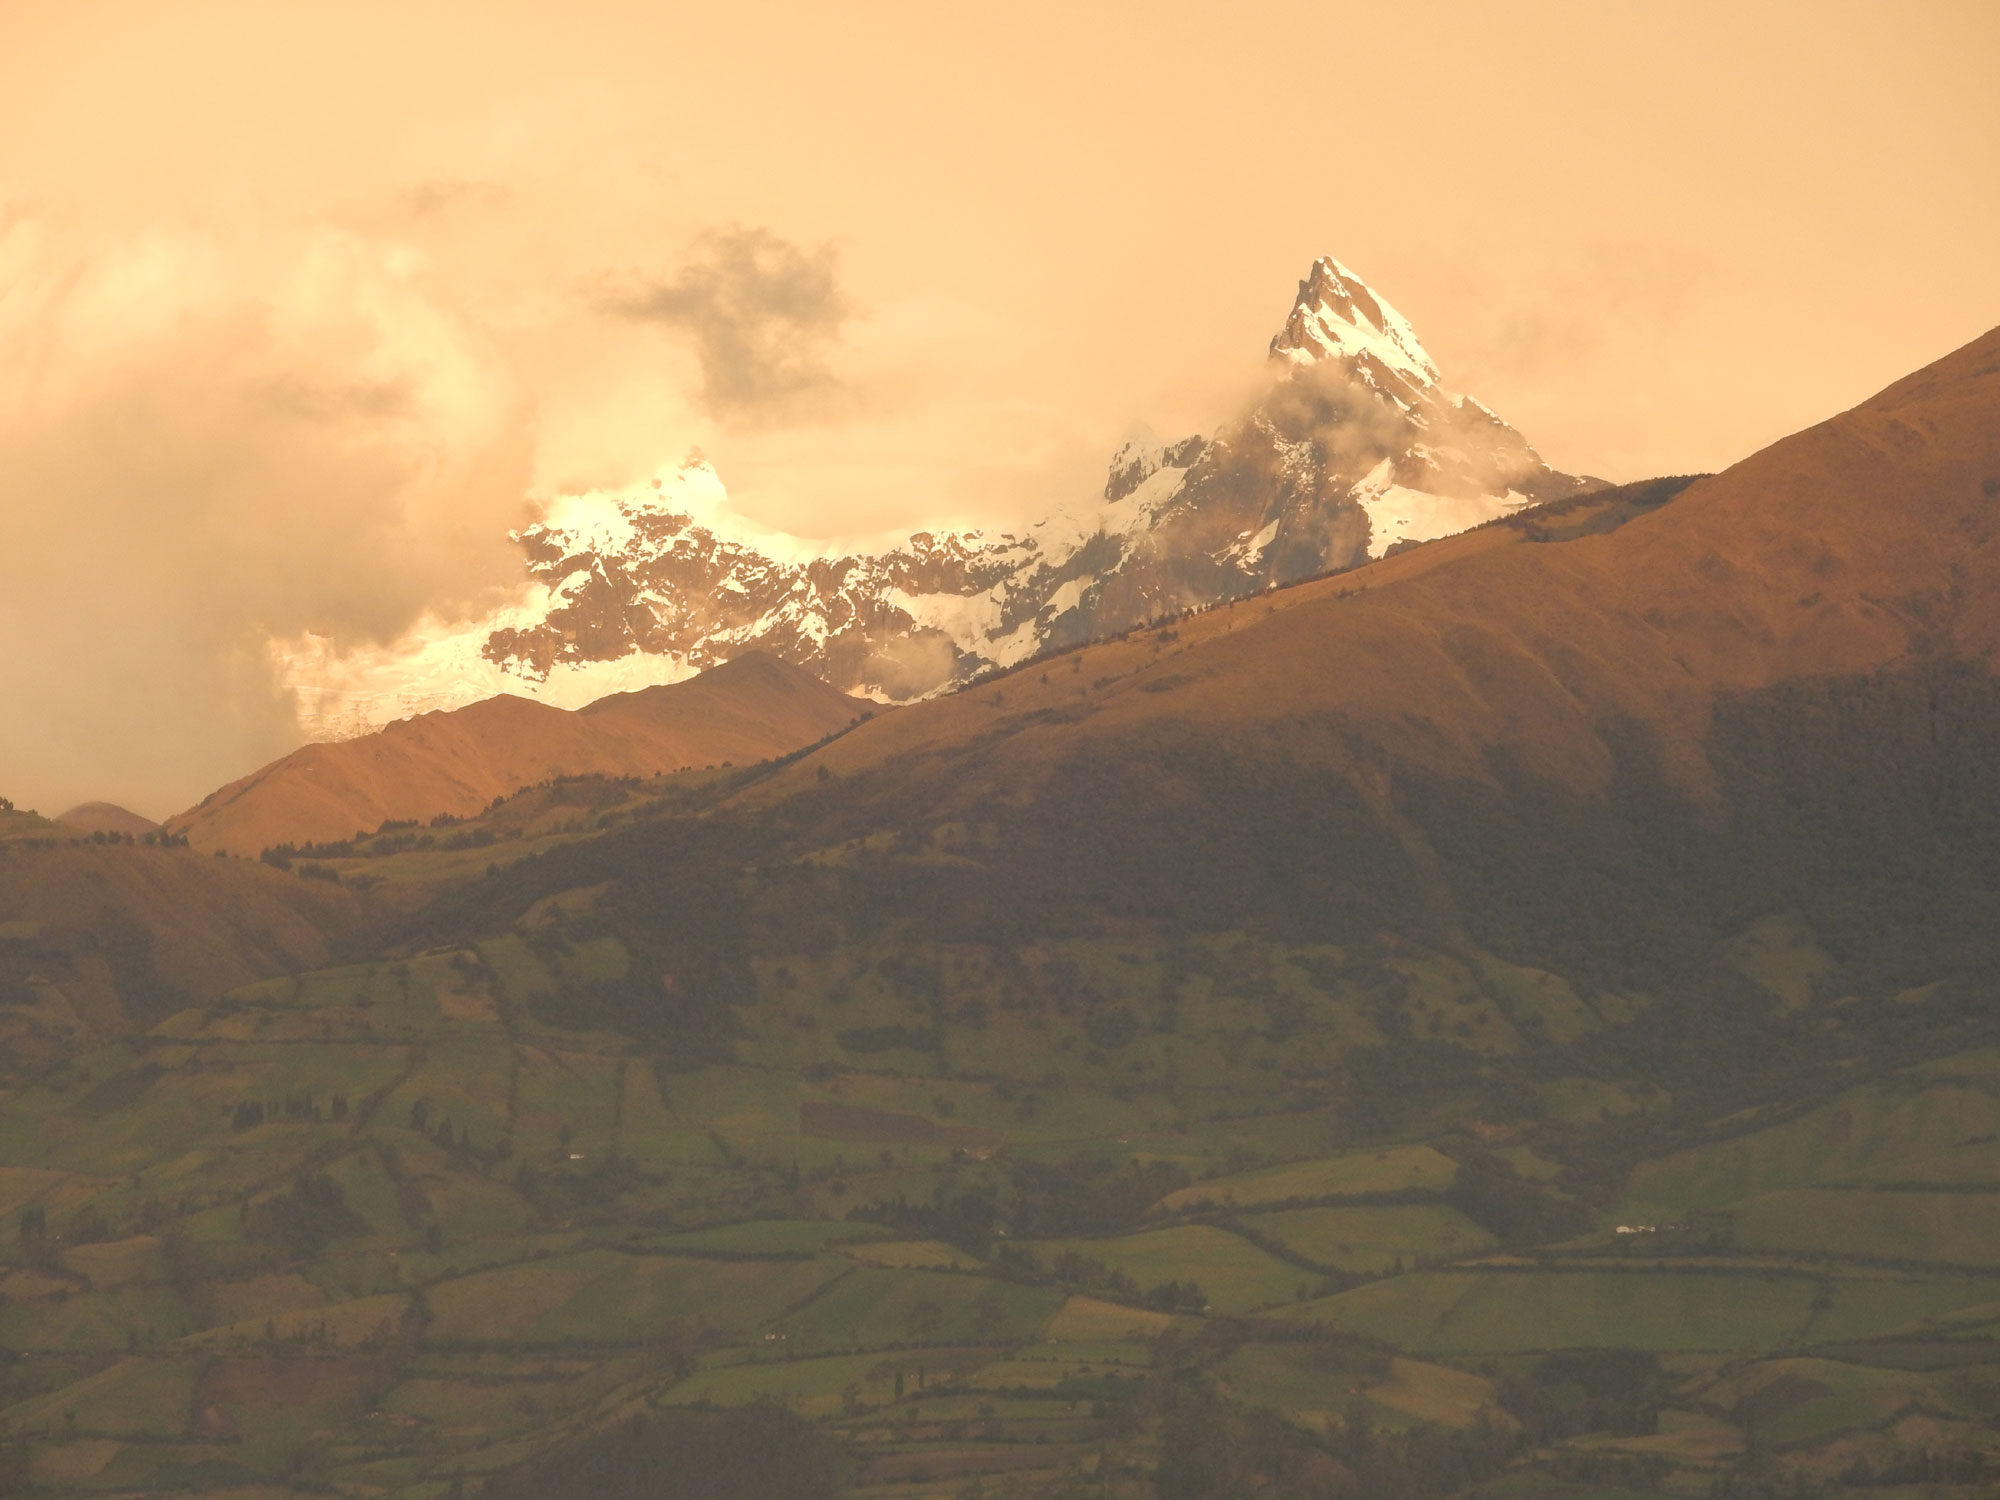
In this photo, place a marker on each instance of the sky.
(302, 307)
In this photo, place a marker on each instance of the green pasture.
(59, 1322)
(1721, 1309)
(601, 1297)
(1373, 1240)
(133, 1398)
(1779, 953)
(1313, 1384)
(1869, 1305)
(1445, 1001)
(1873, 1134)
(472, 1208)
(1239, 1143)
(1789, 1402)
(557, 1092)
(650, 1134)
(1395, 1169)
(1462, 1312)
(1953, 1229)
(370, 1192)
(1543, 1004)
(774, 1237)
(811, 1387)
(465, 1080)
(754, 1112)
(1234, 1274)
(870, 1308)
(1584, 1102)
(479, 1406)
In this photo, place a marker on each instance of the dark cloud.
(761, 312)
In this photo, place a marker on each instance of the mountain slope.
(1867, 540)
(455, 763)
(1354, 446)
(97, 939)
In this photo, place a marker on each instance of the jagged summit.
(1354, 446)
(1337, 315)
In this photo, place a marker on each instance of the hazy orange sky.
(301, 304)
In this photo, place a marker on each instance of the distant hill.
(98, 939)
(455, 763)
(106, 817)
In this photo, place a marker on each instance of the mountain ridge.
(452, 763)
(1353, 446)
(1818, 556)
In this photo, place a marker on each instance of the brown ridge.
(455, 763)
(1866, 540)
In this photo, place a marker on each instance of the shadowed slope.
(455, 763)
(1867, 540)
(95, 939)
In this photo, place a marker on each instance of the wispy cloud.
(762, 314)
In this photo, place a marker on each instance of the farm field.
(1497, 1313)
(1947, 1229)
(1398, 1169)
(1234, 1275)
(1374, 1240)
(391, 1228)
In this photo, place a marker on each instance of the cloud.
(762, 314)
(207, 438)
(440, 194)
(1601, 353)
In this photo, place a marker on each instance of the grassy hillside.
(444, 766)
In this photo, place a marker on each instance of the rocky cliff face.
(1353, 447)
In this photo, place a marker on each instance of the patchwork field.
(384, 1225)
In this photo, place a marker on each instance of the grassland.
(1374, 1240)
(1493, 1312)
(1397, 1169)
(1234, 1275)
(973, 1218)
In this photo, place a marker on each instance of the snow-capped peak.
(1337, 315)
(656, 580)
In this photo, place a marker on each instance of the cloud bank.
(276, 436)
(210, 439)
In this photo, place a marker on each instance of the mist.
(207, 442)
